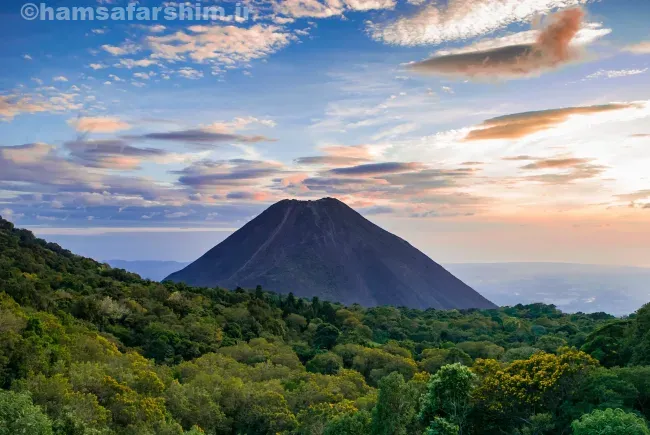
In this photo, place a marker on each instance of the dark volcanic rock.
(324, 248)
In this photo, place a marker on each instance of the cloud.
(521, 125)
(518, 158)
(227, 173)
(551, 50)
(329, 160)
(560, 170)
(99, 124)
(613, 74)
(111, 154)
(157, 28)
(248, 196)
(377, 168)
(131, 63)
(229, 45)
(338, 156)
(640, 48)
(556, 163)
(40, 168)
(371, 211)
(190, 73)
(238, 124)
(60, 79)
(15, 104)
(202, 137)
(327, 8)
(336, 185)
(177, 215)
(577, 172)
(126, 48)
(635, 196)
(10, 215)
(428, 178)
(358, 151)
(589, 33)
(462, 19)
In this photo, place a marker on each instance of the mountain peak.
(324, 248)
(323, 201)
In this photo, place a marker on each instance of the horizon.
(155, 140)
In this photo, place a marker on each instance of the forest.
(90, 350)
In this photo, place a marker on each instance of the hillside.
(87, 349)
(325, 249)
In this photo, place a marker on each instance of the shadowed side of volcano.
(326, 249)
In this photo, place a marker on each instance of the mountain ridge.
(324, 248)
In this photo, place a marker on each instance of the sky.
(477, 130)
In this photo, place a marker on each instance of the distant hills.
(153, 270)
(588, 288)
(324, 248)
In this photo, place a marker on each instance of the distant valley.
(571, 287)
(153, 270)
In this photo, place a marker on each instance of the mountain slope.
(324, 248)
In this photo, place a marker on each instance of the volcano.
(326, 249)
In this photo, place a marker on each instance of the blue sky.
(480, 131)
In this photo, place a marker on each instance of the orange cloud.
(521, 125)
(556, 163)
(358, 151)
(337, 155)
(552, 49)
(99, 124)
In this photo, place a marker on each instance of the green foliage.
(357, 423)
(449, 394)
(90, 350)
(327, 363)
(396, 406)
(610, 422)
(440, 426)
(18, 415)
(538, 424)
(434, 359)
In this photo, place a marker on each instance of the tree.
(538, 424)
(640, 378)
(357, 423)
(508, 394)
(448, 396)
(441, 426)
(327, 363)
(433, 359)
(395, 407)
(326, 336)
(18, 415)
(610, 422)
(519, 353)
(550, 343)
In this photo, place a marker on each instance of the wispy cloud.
(613, 74)
(524, 124)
